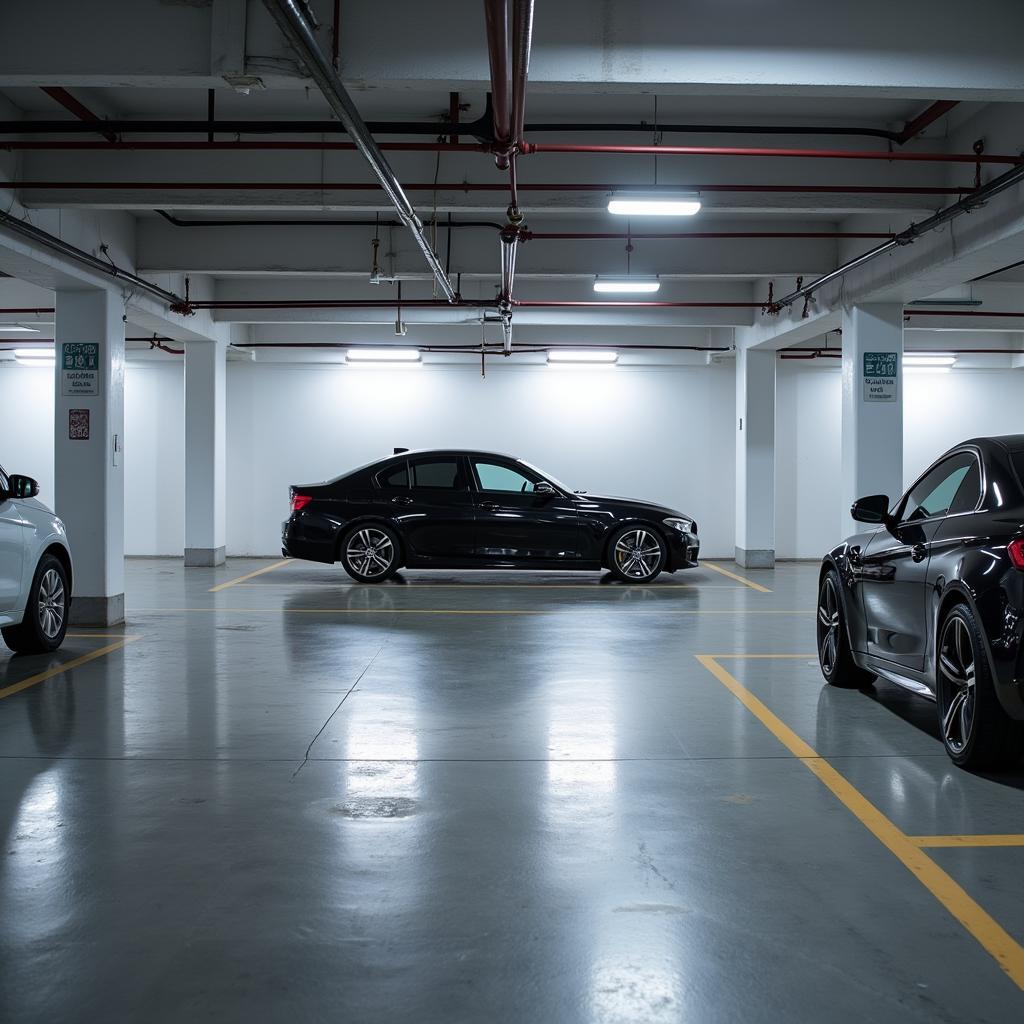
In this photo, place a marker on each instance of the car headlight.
(681, 524)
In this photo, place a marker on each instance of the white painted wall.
(940, 410)
(660, 434)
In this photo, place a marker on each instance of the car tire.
(370, 552)
(636, 554)
(834, 654)
(976, 732)
(46, 613)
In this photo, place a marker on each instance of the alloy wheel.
(637, 554)
(370, 552)
(956, 683)
(828, 626)
(51, 603)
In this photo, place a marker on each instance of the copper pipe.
(496, 16)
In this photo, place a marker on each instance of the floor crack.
(344, 698)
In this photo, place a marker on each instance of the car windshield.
(547, 476)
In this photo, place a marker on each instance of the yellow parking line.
(720, 657)
(249, 576)
(57, 670)
(738, 578)
(966, 841)
(980, 924)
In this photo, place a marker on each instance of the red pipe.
(466, 186)
(74, 106)
(956, 312)
(527, 236)
(496, 15)
(343, 304)
(817, 154)
(160, 146)
(927, 117)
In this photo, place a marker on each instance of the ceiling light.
(582, 355)
(927, 359)
(34, 358)
(17, 329)
(630, 284)
(382, 355)
(654, 204)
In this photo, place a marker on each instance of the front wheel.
(637, 554)
(976, 731)
(834, 657)
(46, 613)
(369, 553)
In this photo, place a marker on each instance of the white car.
(35, 569)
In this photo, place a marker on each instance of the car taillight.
(300, 501)
(1015, 549)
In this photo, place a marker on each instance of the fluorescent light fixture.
(654, 204)
(945, 302)
(600, 356)
(382, 355)
(30, 358)
(17, 329)
(629, 284)
(928, 359)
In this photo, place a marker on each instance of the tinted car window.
(969, 492)
(935, 493)
(495, 477)
(396, 476)
(1017, 458)
(441, 473)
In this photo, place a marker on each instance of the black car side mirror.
(22, 486)
(543, 487)
(872, 509)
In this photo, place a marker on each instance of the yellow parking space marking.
(739, 579)
(967, 841)
(97, 636)
(740, 657)
(979, 923)
(249, 576)
(67, 666)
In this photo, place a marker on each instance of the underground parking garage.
(511, 512)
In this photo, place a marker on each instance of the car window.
(494, 476)
(933, 495)
(396, 476)
(438, 473)
(969, 492)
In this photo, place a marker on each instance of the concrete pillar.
(205, 452)
(755, 458)
(872, 426)
(88, 443)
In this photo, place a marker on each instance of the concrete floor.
(483, 798)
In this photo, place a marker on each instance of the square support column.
(755, 458)
(872, 424)
(88, 442)
(205, 452)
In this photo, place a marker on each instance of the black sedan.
(932, 597)
(478, 510)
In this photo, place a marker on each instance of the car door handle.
(919, 552)
(490, 506)
(401, 500)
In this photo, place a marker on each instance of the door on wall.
(515, 521)
(12, 548)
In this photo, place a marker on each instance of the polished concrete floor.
(488, 798)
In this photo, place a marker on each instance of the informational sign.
(78, 424)
(79, 369)
(880, 369)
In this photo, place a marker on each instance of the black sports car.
(932, 598)
(478, 510)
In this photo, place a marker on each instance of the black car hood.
(642, 507)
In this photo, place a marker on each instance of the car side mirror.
(543, 487)
(872, 509)
(22, 486)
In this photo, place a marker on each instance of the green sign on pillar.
(880, 376)
(79, 369)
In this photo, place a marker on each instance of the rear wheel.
(369, 553)
(834, 656)
(637, 554)
(46, 614)
(976, 731)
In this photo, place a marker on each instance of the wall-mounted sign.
(880, 370)
(79, 369)
(78, 424)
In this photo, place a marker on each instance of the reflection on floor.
(471, 797)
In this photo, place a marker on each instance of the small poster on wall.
(880, 376)
(78, 424)
(79, 369)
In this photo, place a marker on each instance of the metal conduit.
(496, 16)
(290, 17)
